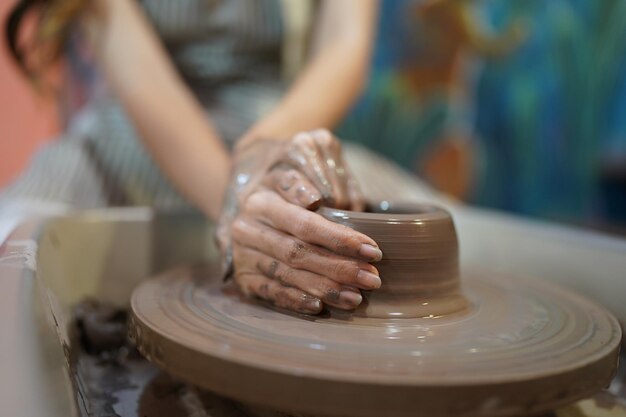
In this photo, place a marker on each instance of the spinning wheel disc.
(522, 346)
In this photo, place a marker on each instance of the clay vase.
(420, 265)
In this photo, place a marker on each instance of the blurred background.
(513, 105)
(26, 119)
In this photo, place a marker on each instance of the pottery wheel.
(523, 346)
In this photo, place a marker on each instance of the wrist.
(270, 128)
(248, 139)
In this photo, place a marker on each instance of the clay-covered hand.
(282, 251)
(316, 154)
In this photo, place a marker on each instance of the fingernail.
(351, 297)
(371, 252)
(309, 199)
(367, 279)
(312, 305)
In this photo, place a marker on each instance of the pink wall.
(26, 120)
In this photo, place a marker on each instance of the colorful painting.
(515, 105)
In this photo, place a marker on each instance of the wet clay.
(503, 345)
(100, 327)
(420, 265)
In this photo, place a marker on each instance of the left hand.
(274, 186)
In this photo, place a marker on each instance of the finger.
(357, 200)
(294, 187)
(330, 151)
(284, 297)
(327, 290)
(311, 227)
(305, 156)
(300, 255)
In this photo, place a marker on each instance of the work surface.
(49, 265)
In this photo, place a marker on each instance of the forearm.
(332, 80)
(319, 98)
(184, 145)
(170, 122)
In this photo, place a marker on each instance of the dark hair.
(54, 18)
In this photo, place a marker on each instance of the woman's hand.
(282, 251)
(316, 154)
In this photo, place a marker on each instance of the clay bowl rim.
(390, 212)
